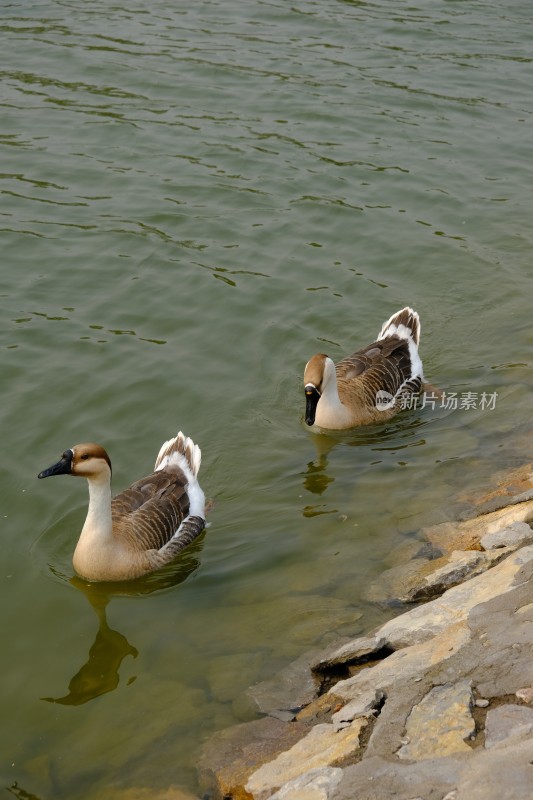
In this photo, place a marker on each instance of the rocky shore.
(437, 704)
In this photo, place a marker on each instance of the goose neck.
(99, 512)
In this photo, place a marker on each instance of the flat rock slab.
(231, 755)
(452, 570)
(322, 747)
(384, 779)
(317, 784)
(514, 535)
(440, 723)
(425, 621)
(449, 536)
(507, 721)
(502, 773)
(395, 583)
(366, 705)
(356, 651)
(287, 692)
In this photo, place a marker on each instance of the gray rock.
(363, 706)
(502, 630)
(287, 692)
(514, 535)
(395, 583)
(507, 721)
(384, 779)
(461, 565)
(424, 622)
(317, 784)
(423, 579)
(466, 535)
(504, 771)
(353, 651)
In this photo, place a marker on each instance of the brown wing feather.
(382, 365)
(150, 511)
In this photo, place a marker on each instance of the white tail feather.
(175, 450)
(405, 324)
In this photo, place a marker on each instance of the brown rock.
(321, 709)
(449, 536)
(232, 755)
(508, 483)
(142, 793)
(525, 694)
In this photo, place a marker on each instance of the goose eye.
(85, 456)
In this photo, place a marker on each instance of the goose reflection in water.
(404, 433)
(315, 478)
(20, 793)
(101, 672)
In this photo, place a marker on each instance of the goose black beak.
(312, 396)
(63, 467)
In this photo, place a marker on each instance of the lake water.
(196, 197)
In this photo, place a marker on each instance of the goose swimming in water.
(371, 385)
(143, 527)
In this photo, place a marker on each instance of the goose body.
(143, 527)
(372, 384)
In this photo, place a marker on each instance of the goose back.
(385, 365)
(147, 514)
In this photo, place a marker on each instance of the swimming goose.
(371, 385)
(143, 527)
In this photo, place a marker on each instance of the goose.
(143, 527)
(371, 385)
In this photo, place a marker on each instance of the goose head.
(319, 373)
(85, 460)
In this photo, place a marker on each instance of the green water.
(195, 199)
